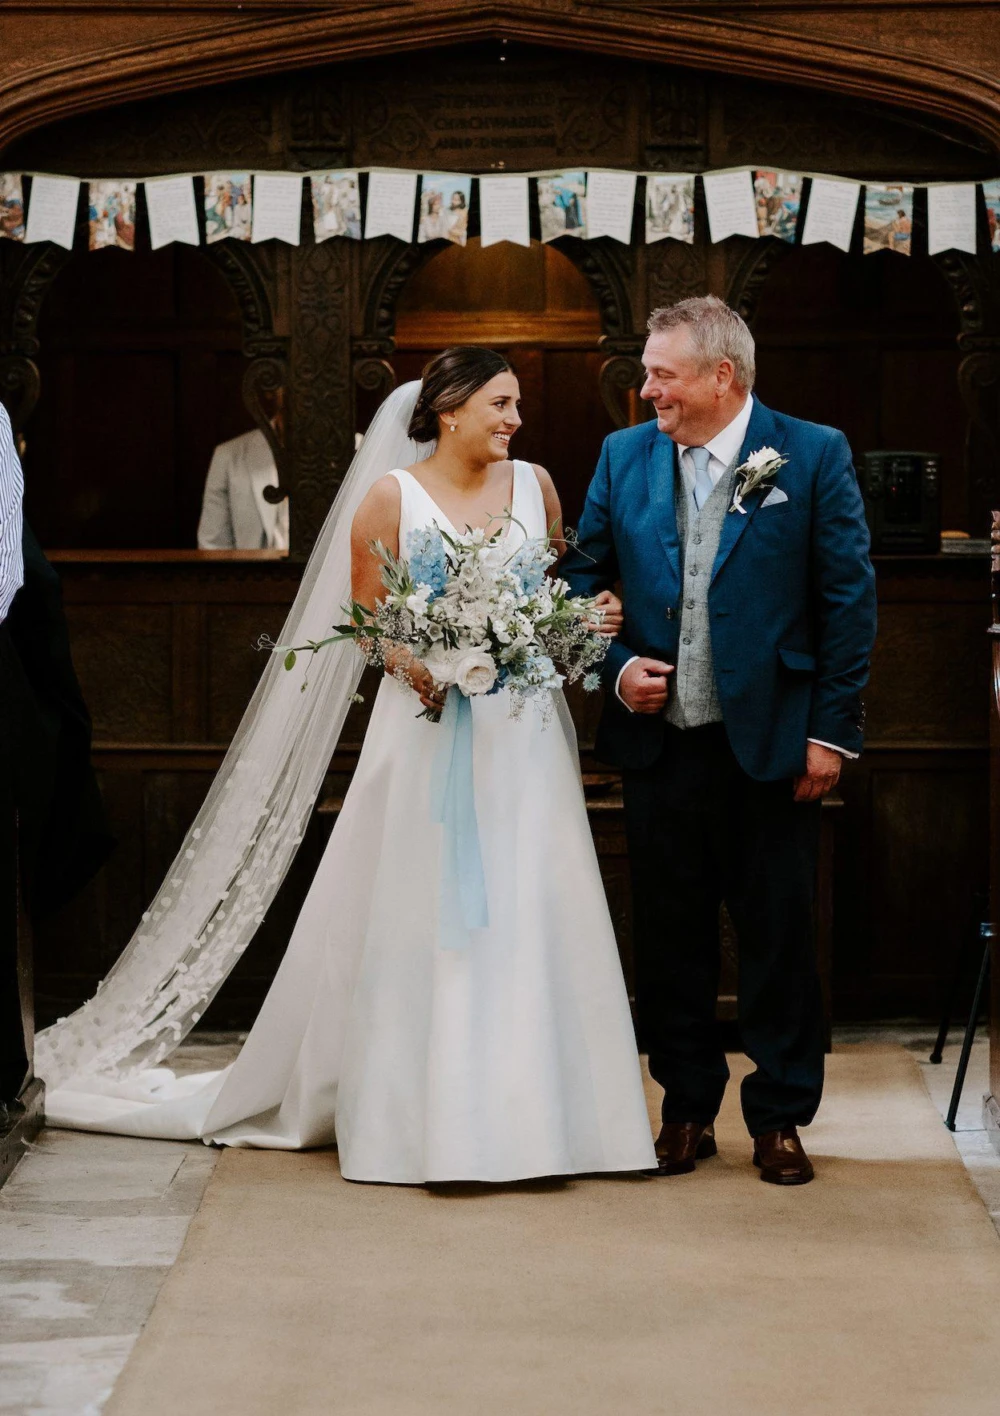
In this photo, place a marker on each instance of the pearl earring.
(454, 427)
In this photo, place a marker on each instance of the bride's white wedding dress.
(509, 1058)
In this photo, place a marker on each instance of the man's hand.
(822, 773)
(643, 686)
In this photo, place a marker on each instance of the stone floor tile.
(106, 1240)
(64, 1377)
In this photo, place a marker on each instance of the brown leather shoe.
(680, 1144)
(780, 1158)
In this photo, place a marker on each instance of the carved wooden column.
(321, 421)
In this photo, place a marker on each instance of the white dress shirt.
(723, 450)
(11, 492)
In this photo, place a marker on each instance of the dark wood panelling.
(869, 344)
(235, 663)
(123, 658)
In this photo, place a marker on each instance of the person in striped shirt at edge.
(13, 1054)
(54, 833)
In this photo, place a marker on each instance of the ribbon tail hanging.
(453, 806)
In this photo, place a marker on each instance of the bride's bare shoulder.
(379, 507)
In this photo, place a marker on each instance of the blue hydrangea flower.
(525, 565)
(427, 560)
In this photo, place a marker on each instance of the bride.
(507, 1057)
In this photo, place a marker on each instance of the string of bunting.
(369, 202)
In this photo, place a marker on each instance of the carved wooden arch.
(203, 45)
(20, 382)
(39, 268)
(601, 265)
(975, 286)
(267, 373)
(751, 275)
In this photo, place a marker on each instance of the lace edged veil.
(239, 847)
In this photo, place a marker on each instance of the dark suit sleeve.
(591, 565)
(843, 598)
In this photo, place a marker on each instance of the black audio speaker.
(902, 495)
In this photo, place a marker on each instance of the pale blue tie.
(703, 485)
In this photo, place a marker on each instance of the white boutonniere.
(759, 467)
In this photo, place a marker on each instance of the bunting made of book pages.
(778, 197)
(888, 218)
(11, 206)
(610, 205)
(171, 211)
(951, 217)
(991, 195)
(831, 213)
(277, 207)
(445, 198)
(503, 211)
(52, 208)
(111, 215)
(228, 206)
(732, 209)
(586, 204)
(336, 204)
(670, 206)
(389, 209)
(562, 204)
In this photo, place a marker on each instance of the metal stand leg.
(981, 904)
(986, 935)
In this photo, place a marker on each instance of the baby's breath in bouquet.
(478, 618)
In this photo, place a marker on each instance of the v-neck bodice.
(418, 508)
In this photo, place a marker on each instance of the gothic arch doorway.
(869, 344)
(538, 307)
(143, 363)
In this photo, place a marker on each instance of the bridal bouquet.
(478, 620)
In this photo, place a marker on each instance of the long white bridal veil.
(236, 853)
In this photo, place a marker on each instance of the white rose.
(475, 672)
(761, 458)
(441, 665)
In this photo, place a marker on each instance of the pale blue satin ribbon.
(453, 806)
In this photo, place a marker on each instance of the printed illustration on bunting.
(111, 215)
(11, 206)
(336, 199)
(991, 191)
(888, 218)
(670, 207)
(228, 206)
(562, 204)
(445, 198)
(778, 196)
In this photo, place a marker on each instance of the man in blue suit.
(732, 697)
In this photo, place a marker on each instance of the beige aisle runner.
(874, 1290)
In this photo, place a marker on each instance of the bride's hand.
(401, 664)
(612, 615)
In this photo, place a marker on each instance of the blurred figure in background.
(235, 515)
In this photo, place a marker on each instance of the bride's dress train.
(509, 1058)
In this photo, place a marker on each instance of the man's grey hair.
(717, 333)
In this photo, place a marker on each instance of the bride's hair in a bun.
(448, 381)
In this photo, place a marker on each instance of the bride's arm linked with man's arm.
(640, 682)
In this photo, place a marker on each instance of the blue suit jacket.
(791, 603)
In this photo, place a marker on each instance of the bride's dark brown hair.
(448, 381)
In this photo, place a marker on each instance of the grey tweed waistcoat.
(693, 696)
